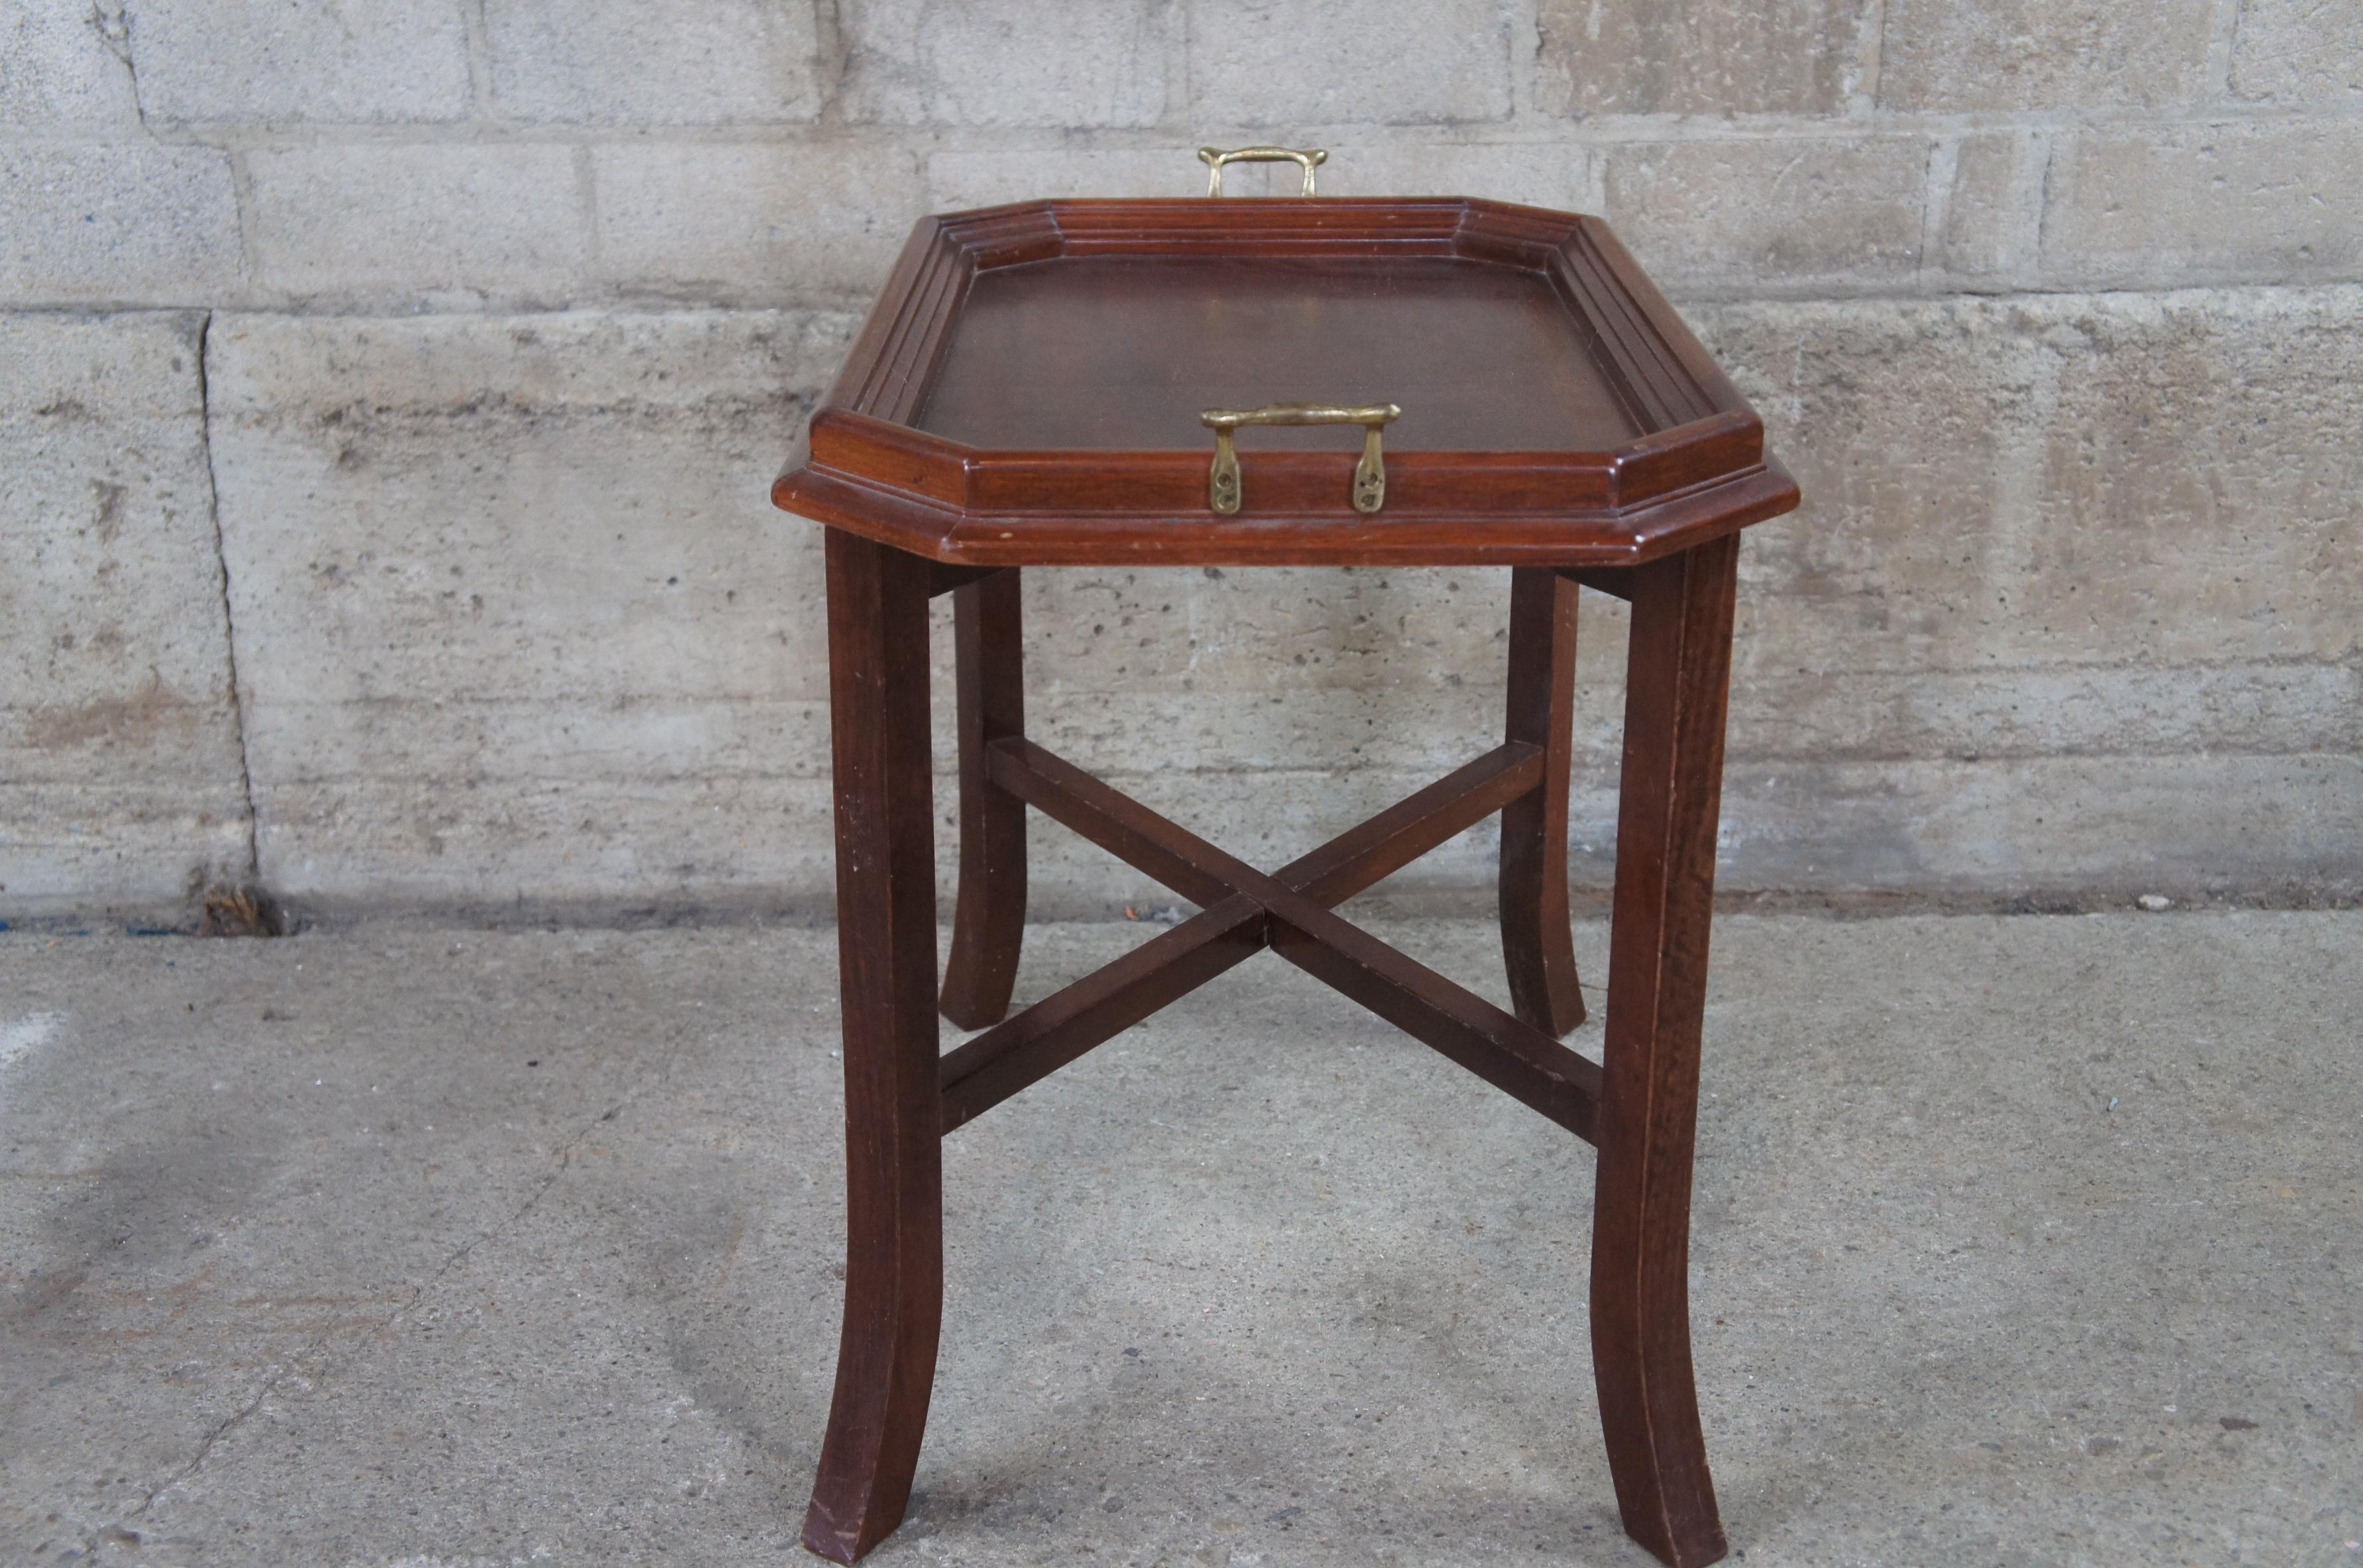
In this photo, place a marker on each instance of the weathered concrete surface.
(910, 63)
(2114, 508)
(1349, 62)
(2103, 479)
(398, 155)
(2043, 54)
(621, 62)
(1538, 173)
(816, 219)
(120, 782)
(522, 621)
(1787, 216)
(2219, 203)
(358, 61)
(518, 623)
(117, 224)
(59, 69)
(445, 224)
(1984, 223)
(2306, 51)
(2022, 1240)
(1630, 57)
(2070, 613)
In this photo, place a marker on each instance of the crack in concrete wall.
(253, 880)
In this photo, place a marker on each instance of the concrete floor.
(2020, 1241)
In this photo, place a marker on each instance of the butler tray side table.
(1089, 382)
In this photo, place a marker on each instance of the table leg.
(989, 921)
(1537, 944)
(886, 960)
(1676, 685)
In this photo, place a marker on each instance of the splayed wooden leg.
(886, 958)
(989, 920)
(1537, 947)
(1676, 688)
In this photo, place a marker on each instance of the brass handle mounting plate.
(1370, 474)
(1214, 157)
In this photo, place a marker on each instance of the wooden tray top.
(1029, 389)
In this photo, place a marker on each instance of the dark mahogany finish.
(1677, 674)
(991, 919)
(886, 962)
(1537, 947)
(1026, 390)
(1026, 393)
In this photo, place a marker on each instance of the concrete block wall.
(388, 392)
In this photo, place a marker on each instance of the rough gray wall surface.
(392, 388)
(120, 773)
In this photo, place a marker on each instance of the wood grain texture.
(1025, 394)
(1065, 355)
(1537, 940)
(1675, 693)
(1512, 1056)
(1026, 390)
(984, 1071)
(886, 962)
(988, 916)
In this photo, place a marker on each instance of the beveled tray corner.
(1063, 426)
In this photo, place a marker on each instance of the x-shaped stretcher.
(1244, 911)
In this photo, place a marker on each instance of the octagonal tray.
(1028, 389)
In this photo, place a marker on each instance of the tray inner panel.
(1122, 352)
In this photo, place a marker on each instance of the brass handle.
(1214, 157)
(1370, 474)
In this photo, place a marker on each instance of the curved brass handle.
(1214, 157)
(1370, 474)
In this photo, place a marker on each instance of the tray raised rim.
(1699, 469)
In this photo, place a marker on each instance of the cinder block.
(2197, 496)
(2149, 481)
(120, 784)
(755, 223)
(419, 222)
(1541, 173)
(2245, 203)
(1771, 215)
(2299, 51)
(1008, 63)
(355, 60)
(1348, 61)
(516, 617)
(1707, 57)
(2042, 54)
(116, 222)
(626, 62)
(958, 177)
(62, 64)
(1985, 218)
(268, 371)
